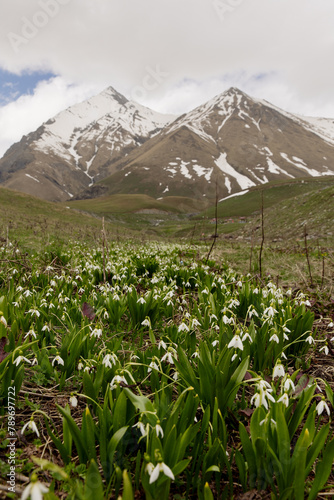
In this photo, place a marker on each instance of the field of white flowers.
(143, 372)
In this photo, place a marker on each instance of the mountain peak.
(111, 92)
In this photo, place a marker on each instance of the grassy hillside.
(129, 203)
(33, 222)
(273, 193)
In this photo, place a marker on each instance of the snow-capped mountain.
(109, 145)
(78, 146)
(234, 140)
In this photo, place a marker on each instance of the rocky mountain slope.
(78, 146)
(232, 140)
(109, 145)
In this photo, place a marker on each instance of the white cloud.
(202, 46)
(30, 111)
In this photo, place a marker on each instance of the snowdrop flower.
(141, 300)
(274, 338)
(57, 359)
(149, 468)
(158, 429)
(97, 332)
(146, 322)
(152, 366)
(183, 328)
(19, 359)
(236, 342)
(45, 328)
(253, 312)
(109, 360)
(142, 428)
(288, 384)
(31, 425)
(161, 467)
(321, 406)
(80, 366)
(27, 293)
(269, 311)
(169, 356)
(331, 324)
(247, 336)
(325, 349)
(284, 399)
(31, 332)
(35, 489)
(194, 323)
(215, 342)
(278, 370)
(259, 397)
(73, 400)
(34, 312)
(3, 320)
(117, 380)
(162, 344)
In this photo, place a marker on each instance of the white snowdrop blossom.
(325, 349)
(159, 430)
(161, 467)
(35, 489)
(143, 430)
(146, 322)
(279, 370)
(194, 323)
(321, 406)
(109, 360)
(34, 312)
(97, 332)
(57, 359)
(19, 359)
(152, 366)
(73, 401)
(236, 342)
(310, 339)
(169, 355)
(3, 320)
(30, 425)
(141, 300)
(284, 399)
(215, 343)
(274, 338)
(32, 333)
(289, 385)
(162, 344)
(269, 312)
(183, 328)
(117, 380)
(263, 393)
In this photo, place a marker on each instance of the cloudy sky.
(170, 55)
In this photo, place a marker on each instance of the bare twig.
(307, 255)
(215, 236)
(262, 231)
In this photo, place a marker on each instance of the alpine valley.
(108, 145)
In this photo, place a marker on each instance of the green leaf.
(142, 403)
(127, 487)
(207, 492)
(76, 434)
(249, 455)
(94, 485)
(323, 470)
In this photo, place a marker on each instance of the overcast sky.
(170, 55)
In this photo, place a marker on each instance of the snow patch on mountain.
(243, 181)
